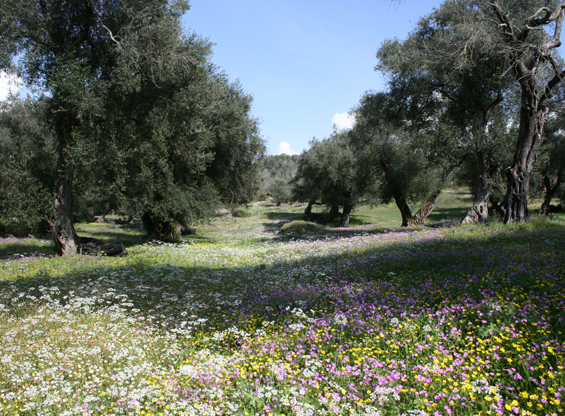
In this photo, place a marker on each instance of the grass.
(240, 319)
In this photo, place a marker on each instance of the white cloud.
(284, 147)
(343, 121)
(9, 83)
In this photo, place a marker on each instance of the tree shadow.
(168, 292)
(447, 214)
(17, 251)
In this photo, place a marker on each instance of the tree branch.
(551, 84)
(111, 34)
(503, 20)
(486, 113)
(555, 42)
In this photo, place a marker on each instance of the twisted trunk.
(532, 118)
(62, 227)
(347, 207)
(479, 211)
(398, 195)
(334, 210)
(311, 203)
(64, 235)
(550, 192)
(426, 209)
(404, 208)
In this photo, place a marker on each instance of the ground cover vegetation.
(241, 319)
(271, 308)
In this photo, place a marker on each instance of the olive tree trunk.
(404, 209)
(532, 119)
(479, 210)
(425, 210)
(160, 230)
(62, 227)
(334, 211)
(347, 208)
(550, 192)
(64, 235)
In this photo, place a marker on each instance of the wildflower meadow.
(240, 319)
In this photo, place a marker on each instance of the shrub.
(302, 227)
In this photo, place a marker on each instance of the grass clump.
(302, 228)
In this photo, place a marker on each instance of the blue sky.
(303, 61)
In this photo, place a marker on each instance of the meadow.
(240, 319)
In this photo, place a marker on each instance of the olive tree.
(126, 86)
(332, 173)
(463, 106)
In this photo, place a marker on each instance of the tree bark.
(426, 209)
(347, 207)
(63, 230)
(532, 119)
(64, 235)
(479, 210)
(550, 191)
(308, 209)
(160, 230)
(404, 208)
(334, 210)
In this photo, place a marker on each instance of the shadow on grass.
(165, 291)
(442, 214)
(15, 250)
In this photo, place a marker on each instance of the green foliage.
(277, 173)
(27, 165)
(188, 138)
(280, 190)
(143, 120)
(330, 172)
(391, 151)
(455, 97)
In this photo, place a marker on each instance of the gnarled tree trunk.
(550, 191)
(334, 210)
(532, 119)
(160, 230)
(308, 209)
(64, 235)
(479, 211)
(63, 230)
(404, 208)
(347, 207)
(425, 210)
